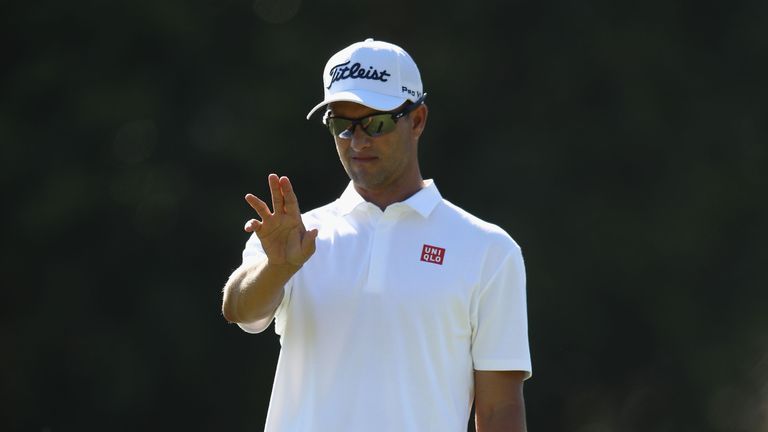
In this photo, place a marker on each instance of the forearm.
(254, 291)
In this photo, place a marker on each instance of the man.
(395, 308)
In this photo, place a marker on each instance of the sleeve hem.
(505, 365)
(257, 326)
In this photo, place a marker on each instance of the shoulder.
(494, 252)
(475, 229)
(321, 215)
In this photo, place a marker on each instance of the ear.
(418, 120)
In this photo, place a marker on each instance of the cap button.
(369, 40)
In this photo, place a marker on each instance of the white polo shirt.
(382, 328)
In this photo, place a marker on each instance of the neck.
(390, 195)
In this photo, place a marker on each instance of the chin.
(366, 182)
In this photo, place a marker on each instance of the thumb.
(308, 242)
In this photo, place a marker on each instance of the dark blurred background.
(623, 145)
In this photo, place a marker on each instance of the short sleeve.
(254, 253)
(499, 318)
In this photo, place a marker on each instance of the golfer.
(396, 309)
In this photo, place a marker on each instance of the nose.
(360, 140)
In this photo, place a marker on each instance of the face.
(386, 163)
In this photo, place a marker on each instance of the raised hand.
(282, 233)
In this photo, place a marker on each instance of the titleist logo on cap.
(356, 71)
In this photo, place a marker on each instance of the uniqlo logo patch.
(433, 254)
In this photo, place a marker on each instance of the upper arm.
(499, 319)
(499, 403)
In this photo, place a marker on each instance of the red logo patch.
(433, 254)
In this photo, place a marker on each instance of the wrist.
(283, 270)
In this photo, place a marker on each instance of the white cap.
(376, 74)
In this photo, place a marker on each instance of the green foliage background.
(623, 145)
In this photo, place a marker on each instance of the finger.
(277, 195)
(252, 226)
(291, 203)
(308, 245)
(258, 205)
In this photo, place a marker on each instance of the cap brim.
(372, 100)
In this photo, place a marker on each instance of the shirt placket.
(380, 251)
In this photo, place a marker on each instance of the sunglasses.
(373, 125)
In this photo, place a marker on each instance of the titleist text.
(356, 71)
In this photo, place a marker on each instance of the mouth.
(363, 159)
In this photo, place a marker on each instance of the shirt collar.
(423, 201)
